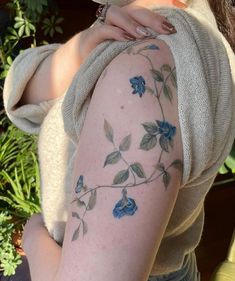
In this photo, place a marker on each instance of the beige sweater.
(205, 67)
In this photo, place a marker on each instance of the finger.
(150, 19)
(106, 32)
(117, 17)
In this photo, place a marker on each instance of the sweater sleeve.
(27, 117)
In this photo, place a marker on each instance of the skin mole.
(122, 107)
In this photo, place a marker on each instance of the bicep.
(127, 169)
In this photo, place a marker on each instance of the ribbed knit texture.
(205, 67)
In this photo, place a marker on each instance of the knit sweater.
(205, 67)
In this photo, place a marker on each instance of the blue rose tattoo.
(166, 129)
(138, 84)
(125, 207)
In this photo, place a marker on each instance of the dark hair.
(225, 17)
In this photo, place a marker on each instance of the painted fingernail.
(128, 36)
(168, 27)
(142, 31)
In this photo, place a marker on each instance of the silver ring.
(102, 12)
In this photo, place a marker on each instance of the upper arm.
(127, 169)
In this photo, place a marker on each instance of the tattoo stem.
(149, 180)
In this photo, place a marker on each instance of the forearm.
(43, 255)
(54, 74)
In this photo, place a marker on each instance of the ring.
(102, 12)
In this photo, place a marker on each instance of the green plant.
(19, 189)
(29, 22)
(27, 17)
(9, 258)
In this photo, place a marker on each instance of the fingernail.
(142, 31)
(128, 36)
(168, 27)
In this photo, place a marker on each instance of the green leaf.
(51, 33)
(112, 158)
(125, 144)
(166, 179)
(84, 227)
(108, 131)
(27, 30)
(167, 92)
(76, 233)
(21, 31)
(164, 143)
(59, 20)
(92, 200)
(46, 21)
(177, 164)
(223, 170)
(59, 29)
(138, 170)
(148, 142)
(18, 24)
(166, 67)
(75, 215)
(157, 75)
(121, 177)
(151, 128)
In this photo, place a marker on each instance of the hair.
(225, 18)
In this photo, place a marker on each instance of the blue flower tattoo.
(127, 208)
(166, 129)
(138, 84)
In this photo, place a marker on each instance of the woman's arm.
(43, 253)
(56, 72)
(127, 170)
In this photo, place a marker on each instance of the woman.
(161, 139)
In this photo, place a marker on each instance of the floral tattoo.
(156, 132)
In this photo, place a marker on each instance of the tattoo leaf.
(81, 203)
(173, 78)
(92, 200)
(125, 144)
(150, 90)
(112, 158)
(76, 233)
(151, 128)
(160, 167)
(157, 75)
(177, 164)
(164, 143)
(121, 177)
(166, 179)
(166, 67)
(84, 227)
(148, 142)
(75, 215)
(138, 170)
(167, 92)
(108, 131)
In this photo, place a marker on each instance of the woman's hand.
(34, 224)
(43, 253)
(122, 23)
